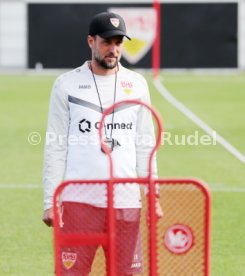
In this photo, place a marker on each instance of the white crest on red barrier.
(141, 28)
(69, 259)
(178, 239)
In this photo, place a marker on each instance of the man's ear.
(90, 40)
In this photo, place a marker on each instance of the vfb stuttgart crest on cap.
(69, 259)
(115, 22)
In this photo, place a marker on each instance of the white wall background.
(13, 34)
(241, 35)
(13, 28)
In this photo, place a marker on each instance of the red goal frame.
(108, 239)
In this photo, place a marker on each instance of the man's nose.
(113, 48)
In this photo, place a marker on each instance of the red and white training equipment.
(176, 244)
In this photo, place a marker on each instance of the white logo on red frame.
(178, 239)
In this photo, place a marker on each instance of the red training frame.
(108, 239)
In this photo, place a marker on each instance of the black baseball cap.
(108, 24)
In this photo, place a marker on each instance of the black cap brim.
(112, 33)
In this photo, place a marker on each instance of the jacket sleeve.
(55, 149)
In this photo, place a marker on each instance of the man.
(78, 100)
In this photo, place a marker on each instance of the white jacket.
(72, 148)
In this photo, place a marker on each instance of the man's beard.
(104, 64)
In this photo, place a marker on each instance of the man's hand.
(48, 216)
(159, 211)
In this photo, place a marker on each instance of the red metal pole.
(153, 234)
(156, 45)
(56, 229)
(111, 253)
(111, 258)
(152, 208)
